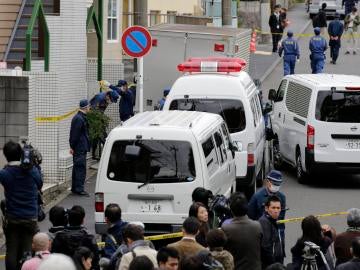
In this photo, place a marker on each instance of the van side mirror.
(272, 95)
(132, 152)
(268, 108)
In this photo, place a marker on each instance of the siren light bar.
(212, 64)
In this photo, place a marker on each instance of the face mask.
(273, 188)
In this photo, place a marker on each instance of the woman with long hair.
(199, 211)
(320, 235)
(83, 258)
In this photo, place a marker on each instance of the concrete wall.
(14, 99)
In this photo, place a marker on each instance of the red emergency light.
(352, 88)
(219, 47)
(242, 62)
(209, 66)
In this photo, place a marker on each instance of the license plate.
(353, 144)
(150, 207)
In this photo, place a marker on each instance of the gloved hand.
(106, 83)
(297, 60)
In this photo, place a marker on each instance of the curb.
(279, 59)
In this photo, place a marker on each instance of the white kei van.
(152, 163)
(316, 122)
(220, 86)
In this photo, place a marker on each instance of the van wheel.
(300, 174)
(277, 159)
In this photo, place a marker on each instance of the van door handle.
(284, 119)
(279, 114)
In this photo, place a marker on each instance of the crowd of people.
(248, 236)
(289, 48)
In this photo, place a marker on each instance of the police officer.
(79, 146)
(102, 100)
(163, 99)
(335, 30)
(290, 48)
(126, 104)
(272, 186)
(317, 46)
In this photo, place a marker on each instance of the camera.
(310, 248)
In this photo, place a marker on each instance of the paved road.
(328, 194)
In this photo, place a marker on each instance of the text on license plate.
(150, 206)
(353, 144)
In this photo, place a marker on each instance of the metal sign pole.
(141, 84)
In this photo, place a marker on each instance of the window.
(281, 91)
(298, 99)
(154, 17)
(210, 155)
(340, 107)
(232, 111)
(226, 135)
(171, 17)
(253, 106)
(157, 162)
(112, 21)
(220, 146)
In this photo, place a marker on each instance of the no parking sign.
(136, 42)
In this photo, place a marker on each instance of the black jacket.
(320, 19)
(354, 264)
(68, 240)
(272, 244)
(276, 24)
(297, 252)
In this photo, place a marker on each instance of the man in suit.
(276, 27)
(244, 235)
(188, 245)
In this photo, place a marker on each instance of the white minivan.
(316, 122)
(152, 163)
(221, 86)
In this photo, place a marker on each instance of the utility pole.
(140, 13)
(226, 13)
(265, 11)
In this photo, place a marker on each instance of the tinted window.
(157, 162)
(232, 111)
(343, 107)
(220, 146)
(210, 155)
(281, 91)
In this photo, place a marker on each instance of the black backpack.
(70, 240)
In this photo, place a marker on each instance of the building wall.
(112, 50)
(188, 6)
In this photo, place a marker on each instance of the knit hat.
(121, 83)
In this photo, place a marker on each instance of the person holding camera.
(21, 186)
(316, 238)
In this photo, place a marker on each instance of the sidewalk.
(261, 65)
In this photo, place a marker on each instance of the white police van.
(152, 163)
(219, 85)
(316, 122)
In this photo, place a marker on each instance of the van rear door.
(152, 179)
(337, 126)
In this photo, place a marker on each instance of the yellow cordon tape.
(318, 216)
(305, 34)
(55, 118)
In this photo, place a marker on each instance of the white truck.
(174, 43)
(332, 7)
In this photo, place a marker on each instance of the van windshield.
(337, 106)
(156, 162)
(232, 111)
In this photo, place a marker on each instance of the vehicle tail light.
(154, 42)
(352, 88)
(99, 202)
(250, 155)
(310, 135)
(209, 66)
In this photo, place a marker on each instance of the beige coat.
(139, 251)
